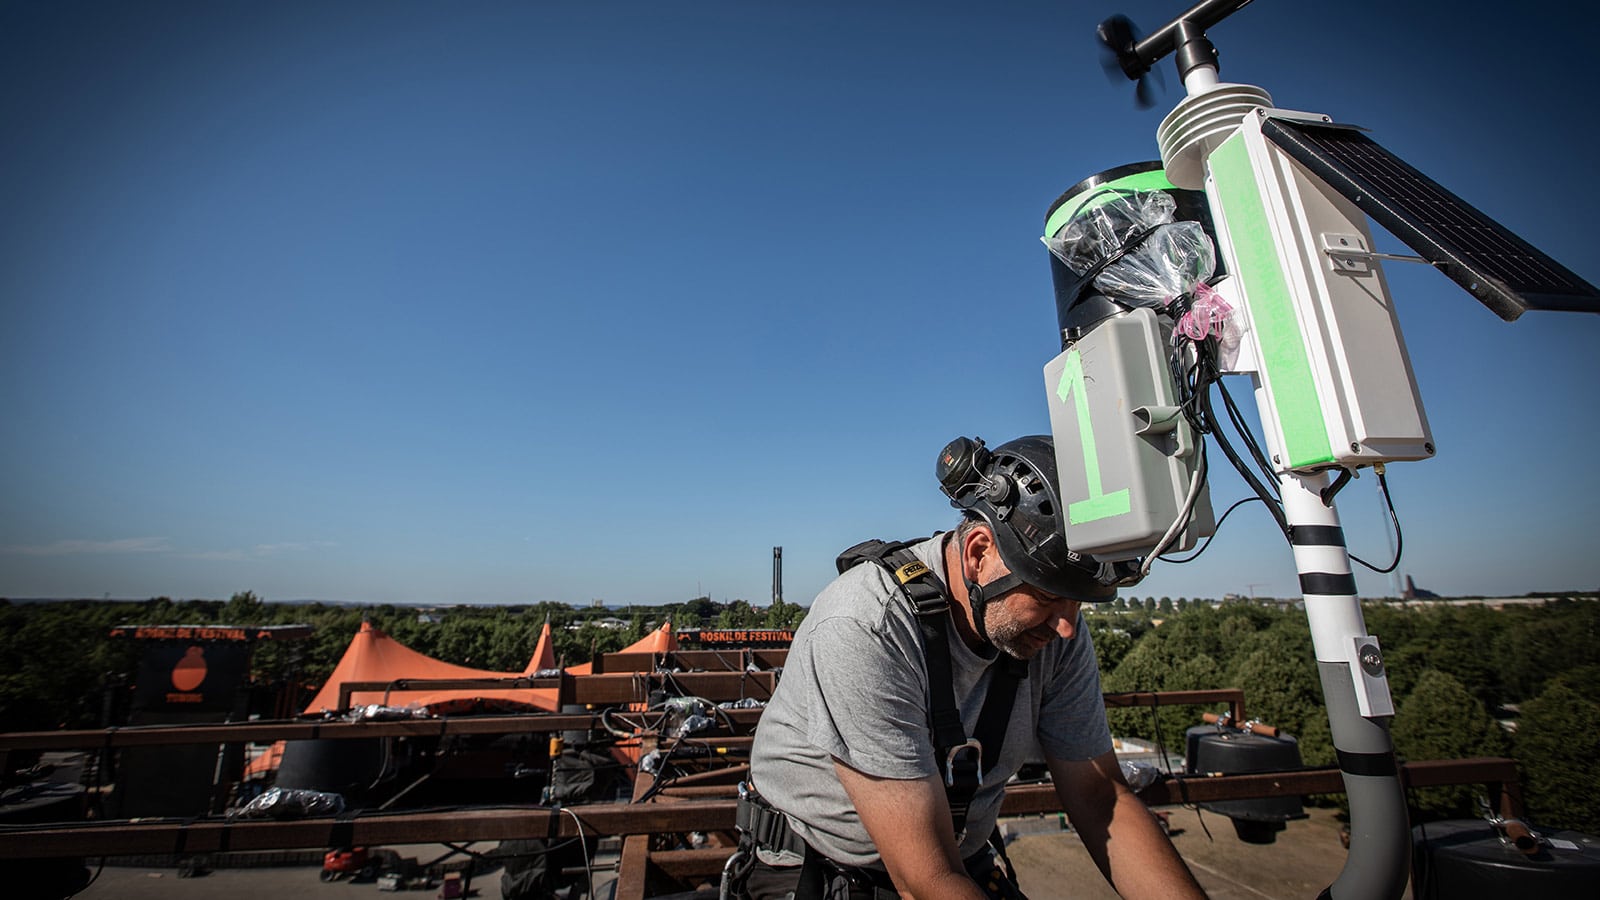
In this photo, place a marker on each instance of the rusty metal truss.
(691, 806)
(696, 799)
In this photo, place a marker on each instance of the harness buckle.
(957, 756)
(762, 826)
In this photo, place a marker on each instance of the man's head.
(1015, 617)
(1013, 491)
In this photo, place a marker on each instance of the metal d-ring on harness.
(963, 760)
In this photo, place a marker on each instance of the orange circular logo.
(190, 671)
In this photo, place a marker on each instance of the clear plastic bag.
(694, 725)
(290, 803)
(1106, 222)
(650, 763)
(1140, 775)
(377, 712)
(1169, 261)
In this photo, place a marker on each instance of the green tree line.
(58, 661)
(1456, 673)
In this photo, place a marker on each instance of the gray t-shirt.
(855, 688)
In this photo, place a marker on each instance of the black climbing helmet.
(1013, 489)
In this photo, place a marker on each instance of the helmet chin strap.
(980, 595)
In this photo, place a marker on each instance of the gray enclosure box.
(1125, 454)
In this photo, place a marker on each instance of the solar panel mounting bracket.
(1348, 254)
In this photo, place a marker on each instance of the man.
(846, 749)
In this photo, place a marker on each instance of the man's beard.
(1010, 637)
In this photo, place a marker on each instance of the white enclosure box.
(1328, 346)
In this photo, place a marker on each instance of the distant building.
(1412, 592)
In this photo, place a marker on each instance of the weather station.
(1248, 250)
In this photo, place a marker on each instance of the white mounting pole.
(1350, 666)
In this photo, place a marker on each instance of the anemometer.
(1248, 250)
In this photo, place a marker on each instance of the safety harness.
(964, 759)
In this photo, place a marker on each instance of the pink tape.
(1206, 313)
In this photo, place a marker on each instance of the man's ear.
(978, 545)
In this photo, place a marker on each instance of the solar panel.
(1505, 272)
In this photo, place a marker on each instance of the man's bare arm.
(1127, 844)
(909, 821)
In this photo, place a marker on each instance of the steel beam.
(597, 689)
(266, 732)
(730, 660)
(1231, 696)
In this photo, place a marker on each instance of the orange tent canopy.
(662, 640)
(544, 653)
(374, 656)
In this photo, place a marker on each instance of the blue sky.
(493, 303)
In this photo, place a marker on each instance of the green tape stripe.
(1283, 354)
(1098, 505)
(1100, 194)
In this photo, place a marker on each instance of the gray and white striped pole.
(1356, 692)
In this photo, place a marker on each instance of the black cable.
(727, 719)
(1273, 504)
(1270, 495)
(667, 680)
(1155, 703)
(1424, 890)
(1338, 484)
(1161, 744)
(1210, 537)
(605, 724)
(661, 781)
(1248, 436)
(1193, 381)
(92, 879)
(1399, 539)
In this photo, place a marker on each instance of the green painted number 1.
(1099, 504)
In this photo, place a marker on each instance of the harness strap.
(814, 873)
(995, 717)
(962, 760)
